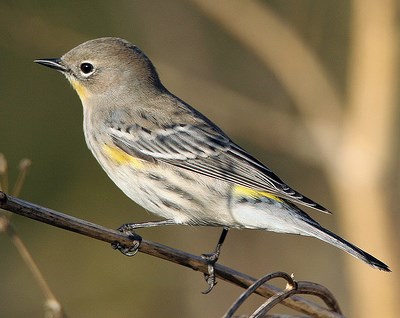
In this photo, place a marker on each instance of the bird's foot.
(129, 228)
(211, 259)
(132, 249)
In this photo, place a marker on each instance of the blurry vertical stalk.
(3, 173)
(53, 308)
(360, 176)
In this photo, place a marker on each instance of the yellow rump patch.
(121, 157)
(247, 192)
(80, 89)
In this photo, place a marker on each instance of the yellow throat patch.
(79, 88)
(247, 192)
(120, 157)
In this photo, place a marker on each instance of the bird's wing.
(207, 151)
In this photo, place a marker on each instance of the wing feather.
(207, 151)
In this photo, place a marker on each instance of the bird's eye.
(87, 68)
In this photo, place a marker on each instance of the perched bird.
(172, 160)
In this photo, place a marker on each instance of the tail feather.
(331, 238)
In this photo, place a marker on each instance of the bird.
(172, 160)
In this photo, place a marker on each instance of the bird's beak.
(53, 63)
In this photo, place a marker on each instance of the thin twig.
(24, 166)
(291, 289)
(243, 297)
(53, 308)
(320, 291)
(194, 262)
(296, 289)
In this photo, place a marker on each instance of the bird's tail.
(331, 238)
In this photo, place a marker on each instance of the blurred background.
(309, 87)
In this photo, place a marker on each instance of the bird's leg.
(129, 228)
(212, 259)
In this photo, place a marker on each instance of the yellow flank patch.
(121, 157)
(247, 192)
(80, 89)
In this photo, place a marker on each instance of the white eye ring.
(86, 68)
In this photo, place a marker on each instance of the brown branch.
(194, 262)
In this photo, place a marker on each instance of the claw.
(128, 250)
(210, 276)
